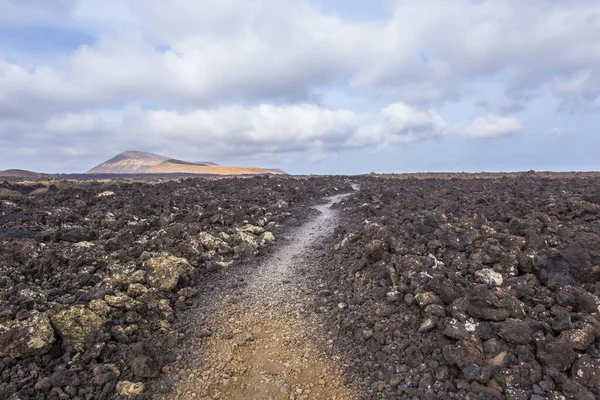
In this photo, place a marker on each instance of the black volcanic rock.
(90, 298)
(514, 260)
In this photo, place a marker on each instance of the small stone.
(129, 389)
(516, 331)
(428, 324)
(373, 345)
(580, 339)
(547, 385)
(393, 296)
(268, 237)
(44, 384)
(426, 381)
(366, 334)
(380, 337)
(489, 277)
(285, 388)
(513, 393)
(491, 346)
(145, 367)
(459, 330)
(248, 337)
(118, 301)
(562, 322)
(426, 298)
(204, 333)
(586, 371)
(557, 354)
(62, 378)
(435, 309)
(462, 353)
(136, 290)
(224, 264)
(498, 360)
(103, 379)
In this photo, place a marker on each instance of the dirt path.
(263, 343)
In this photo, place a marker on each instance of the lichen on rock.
(28, 338)
(253, 229)
(208, 241)
(129, 389)
(164, 271)
(268, 237)
(75, 324)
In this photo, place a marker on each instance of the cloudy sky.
(311, 86)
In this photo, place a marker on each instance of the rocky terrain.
(414, 287)
(94, 275)
(467, 288)
(19, 173)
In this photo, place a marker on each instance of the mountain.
(138, 162)
(129, 162)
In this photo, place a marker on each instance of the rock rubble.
(93, 275)
(467, 288)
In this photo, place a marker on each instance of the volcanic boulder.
(76, 324)
(164, 271)
(28, 338)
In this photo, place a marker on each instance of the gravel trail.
(256, 339)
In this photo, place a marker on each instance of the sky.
(309, 86)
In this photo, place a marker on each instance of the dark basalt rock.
(513, 262)
(455, 287)
(489, 305)
(553, 270)
(516, 331)
(556, 354)
(93, 275)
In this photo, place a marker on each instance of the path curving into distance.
(264, 343)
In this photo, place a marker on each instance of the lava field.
(432, 287)
(93, 274)
(467, 288)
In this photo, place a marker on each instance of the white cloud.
(406, 120)
(493, 126)
(71, 124)
(203, 52)
(309, 128)
(237, 74)
(299, 130)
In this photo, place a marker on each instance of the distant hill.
(138, 162)
(129, 162)
(19, 173)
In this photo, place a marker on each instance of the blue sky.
(319, 86)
